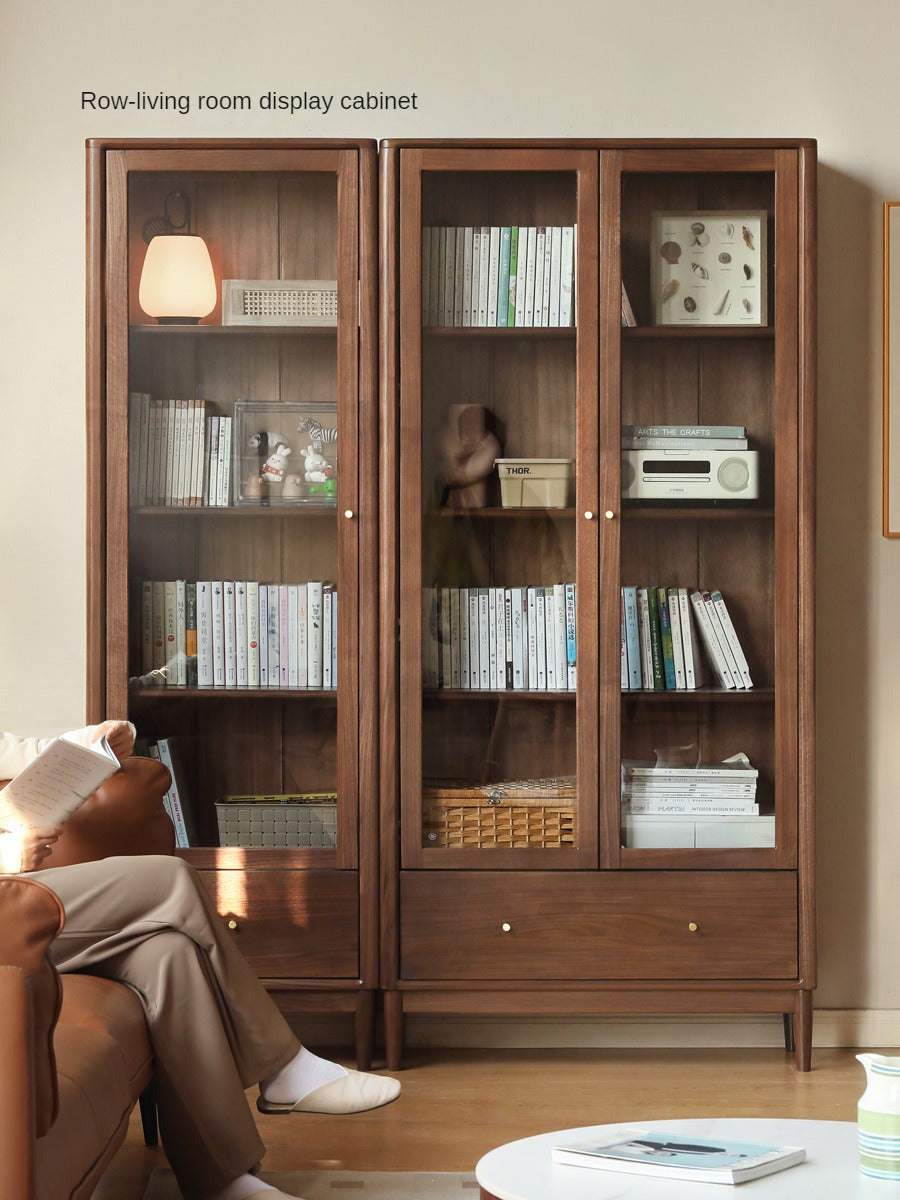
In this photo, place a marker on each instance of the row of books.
(510, 275)
(663, 629)
(179, 456)
(710, 789)
(239, 634)
(500, 638)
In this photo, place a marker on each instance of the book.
(55, 783)
(178, 805)
(669, 1154)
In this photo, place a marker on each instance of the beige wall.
(480, 68)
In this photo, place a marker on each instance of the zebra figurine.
(318, 434)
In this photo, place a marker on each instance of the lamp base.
(178, 320)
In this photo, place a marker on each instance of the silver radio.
(690, 474)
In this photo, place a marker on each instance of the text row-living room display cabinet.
(560, 830)
(233, 504)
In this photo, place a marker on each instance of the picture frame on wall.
(709, 268)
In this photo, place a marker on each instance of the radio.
(690, 474)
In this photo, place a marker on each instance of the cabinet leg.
(393, 1030)
(365, 1029)
(788, 1019)
(803, 1022)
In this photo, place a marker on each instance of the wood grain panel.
(620, 925)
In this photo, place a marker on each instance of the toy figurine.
(316, 467)
(292, 488)
(275, 466)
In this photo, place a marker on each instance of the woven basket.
(537, 813)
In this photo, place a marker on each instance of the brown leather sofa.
(74, 1052)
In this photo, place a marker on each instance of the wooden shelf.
(140, 692)
(234, 331)
(233, 512)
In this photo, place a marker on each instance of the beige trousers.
(149, 922)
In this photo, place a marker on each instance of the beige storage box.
(291, 820)
(535, 482)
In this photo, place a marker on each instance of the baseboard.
(831, 1028)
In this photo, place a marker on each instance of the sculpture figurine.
(467, 450)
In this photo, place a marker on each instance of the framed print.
(709, 268)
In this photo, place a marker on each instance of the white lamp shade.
(177, 280)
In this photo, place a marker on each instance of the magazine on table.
(663, 1152)
(55, 783)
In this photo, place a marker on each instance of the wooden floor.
(456, 1105)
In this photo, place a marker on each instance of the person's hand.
(119, 736)
(36, 845)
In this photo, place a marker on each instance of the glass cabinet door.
(708, 567)
(498, 462)
(240, 556)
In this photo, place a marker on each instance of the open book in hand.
(54, 784)
(664, 1152)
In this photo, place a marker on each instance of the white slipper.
(354, 1092)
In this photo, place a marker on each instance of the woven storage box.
(277, 821)
(514, 812)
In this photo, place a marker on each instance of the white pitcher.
(878, 1118)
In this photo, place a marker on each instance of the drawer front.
(667, 925)
(292, 924)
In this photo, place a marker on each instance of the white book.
(550, 639)
(263, 635)
(500, 613)
(252, 633)
(484, 267)
(559, 635)
(293, 607)
(334, 637)
(493, 275)
(284, 637)
(522, 279)
(459, 276)
(531, 638)
(530, 276)
(327, 632)
(484, 639)
(567, 277)
(179, 491)
(302, 635)
(211, 473)
(632, 637)
(53, 785)
(170, 632)
(174, 805)
(545, 296)
(724, 645)
(540, 238)
(146, 626)
(240, 632)
(540, 639)
(731, 637)
(197, 456)
(710, 642)
(455, 640)
(474, 640)
(646, 645)
(158, 623)
(273, 637)
(493, 657)
(476, 275)
(314, 590)
(448, 260)
(464, 660)
(518, 606)
(229, 643)
(224, 465)
(693, 662)
(468, 255)
(555, 264)
(204, 634)
(623, 644)
(180, 664)
(677, 641)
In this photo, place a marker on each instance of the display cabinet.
(660, 299)
(233, 518)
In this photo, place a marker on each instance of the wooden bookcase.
(584, 922)
(278, 210)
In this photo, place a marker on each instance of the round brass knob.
(506, 927)
(232, 924)
(609, 514)
(348, 513)
(589, 516)
(693, 926)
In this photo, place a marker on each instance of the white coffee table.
(523, 1170)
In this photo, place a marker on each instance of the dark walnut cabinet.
(489, 908)
(302, 212)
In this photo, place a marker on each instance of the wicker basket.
(536, 813)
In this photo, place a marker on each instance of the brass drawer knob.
(609, 514)
(232, 923)
(506, 927)
(693, 926)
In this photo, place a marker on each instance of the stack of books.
(500, 638)
(179, 457)
(496, 276)
(684, 437)
(662, 631)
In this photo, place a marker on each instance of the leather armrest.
(124, 816)
(31, 916)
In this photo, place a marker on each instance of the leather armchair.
(75, 1056)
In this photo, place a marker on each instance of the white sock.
(302, 1075)
(240, 1188)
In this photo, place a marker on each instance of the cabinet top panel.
(104, 144)
(601, 143)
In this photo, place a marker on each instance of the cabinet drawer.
(618, 925)
(292, 924)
